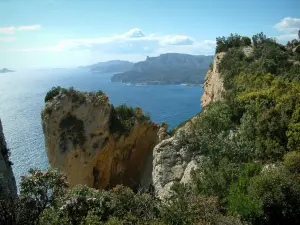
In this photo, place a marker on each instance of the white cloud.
(12, 30)
(286, 37)
(7, 30)
(133, 42)
(133, 33)
(7, 39)
(288, 25)
(32, 27)
(177, 40)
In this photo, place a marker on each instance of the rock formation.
(213, 86)
(172, 161)
(87, 139)
(7, 179)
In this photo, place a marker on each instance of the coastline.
(160, 83)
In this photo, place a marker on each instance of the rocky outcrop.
(7, 179)
(213, 86)
(173, 162)
(86, 138)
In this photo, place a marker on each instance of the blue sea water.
(22, 99)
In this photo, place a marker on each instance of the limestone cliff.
(172, 161)
(7, 179)
(86, 139)
(213, 86)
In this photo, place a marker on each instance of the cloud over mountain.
(135, 41)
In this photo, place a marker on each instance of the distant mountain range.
(170, 68)
(113, 66)
(5, 70)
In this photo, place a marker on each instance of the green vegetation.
(52, 93)
(76, 96)
(71, 129)
(255, 127)
(233, 41)
(45, 199)
(124, 117)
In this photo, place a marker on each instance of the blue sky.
(70, 33)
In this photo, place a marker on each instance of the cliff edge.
(172, 160)
(213, 86)
(93, 142)
(8, 183)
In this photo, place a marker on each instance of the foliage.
(279, 195)
(52, 93)
(291, 161)
(186, 207)
(39, 191)
(232, 41)
(76, 96)
(124, 117)
(256, 123)
(71, 129)
(214, 180)
(239, 202)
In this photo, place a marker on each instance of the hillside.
(170, 68)
(244, 146)
(113, 66)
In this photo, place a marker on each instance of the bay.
(22, 99)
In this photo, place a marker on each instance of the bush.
(186, 207)
(100, 93)
(214, 180)
(239, 202)
(246, 41)
(279, 195)
(122, 119)
(52, 93)
(291, 161)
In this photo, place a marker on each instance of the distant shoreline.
(159, 83)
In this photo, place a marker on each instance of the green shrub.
(52, 93)
(100, 93)
(186, 207)
(246, 41)
(291, 161)
(239, 202)
(124, 117)
(39, 191)
(279, 195)
(71, 128)
(214, 180)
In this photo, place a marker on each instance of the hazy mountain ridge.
(112, 66)
(167, 69)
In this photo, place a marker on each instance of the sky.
(71, 33)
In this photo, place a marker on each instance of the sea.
(22, 99)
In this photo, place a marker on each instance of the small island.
(5, 70)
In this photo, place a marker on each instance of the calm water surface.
(22, 99)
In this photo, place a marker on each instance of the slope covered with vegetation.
(251, 138)
(251, 148)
